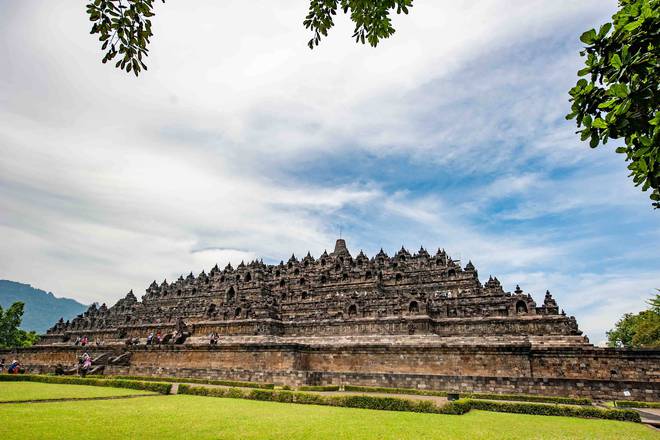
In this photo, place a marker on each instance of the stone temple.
(410, 320)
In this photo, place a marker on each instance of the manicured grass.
(20, 391)
(184, 416)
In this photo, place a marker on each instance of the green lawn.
(18, 391)
(195, 417)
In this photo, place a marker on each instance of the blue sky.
(239, 142)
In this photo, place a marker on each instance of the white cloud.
(107, 181)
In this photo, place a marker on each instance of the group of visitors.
(81, 341)
(86, 362)
(14, 367)
(154, 338)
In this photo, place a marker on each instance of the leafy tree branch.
(618, 97)
(124, 26)
(10, 334)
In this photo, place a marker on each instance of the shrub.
(414, 391)
(369, 402)
(635, 404)
(309, 399)
(256, 394)
(319, 388)
(229, 383)
(531, 398)
(488, 396)
(456, 407)
(162, 388)
(384, 403)
(588, 412)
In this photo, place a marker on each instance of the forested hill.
(42, 309)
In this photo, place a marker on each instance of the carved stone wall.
(335, 294)
(417, 321)
(516, 368)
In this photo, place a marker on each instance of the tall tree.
(640, 330)
(619, 96)
(124, 26)
(10, 334)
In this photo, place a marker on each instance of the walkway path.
(650, 416)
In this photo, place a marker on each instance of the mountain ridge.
(42, 309)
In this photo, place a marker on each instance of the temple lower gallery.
(410, 320)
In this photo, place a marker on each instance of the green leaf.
(588, 37)
(599, 123)
(608, 104)
(604, 29)
(616, 61)
(634, 25)
(584, 71)
(618, 90)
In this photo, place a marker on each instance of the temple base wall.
(584, 372)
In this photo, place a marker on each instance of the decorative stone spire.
(340, 248)
(402, 252)
(228, 268)
(469, 266)
(130, 296)
(308, 258)
(549, 303)
(518, 290)
(422, 252)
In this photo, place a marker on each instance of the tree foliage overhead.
(641, 330)
(124, 26)
(10, 334)
(124, 29)
(619, 96)
(371, 18)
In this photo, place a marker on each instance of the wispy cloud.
(240, 143)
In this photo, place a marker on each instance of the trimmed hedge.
(368, 402)
(319, 388)
(228, 383)
(162, 388)
(487, 396)
(457, 407)
(413, 391)
(589, 412)
(531, 398)
(636, 404)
